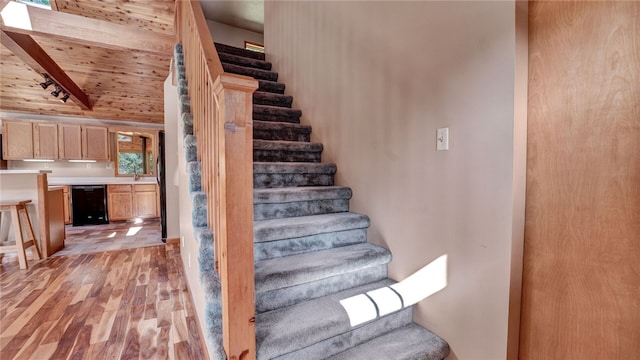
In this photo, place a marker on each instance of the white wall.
(231, 35)
(19, 187)
(188, 245)
(66, 169)
(171, 158)
(375, 80)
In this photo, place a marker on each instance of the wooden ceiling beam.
(28, 50)
(94, 32)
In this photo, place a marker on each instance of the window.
(248, 45)
(134, 154)
(45, 4)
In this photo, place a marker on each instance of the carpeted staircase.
(310, 251)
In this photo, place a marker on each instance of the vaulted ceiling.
(123, 81)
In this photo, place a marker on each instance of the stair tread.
(294, 167)
(287, 145)
(304, 268)
(228, 49)
(271, 86)
(270, 94)
(273, 99)
(315, 320)
(276, 229)
(295, 194)
(244, 61)
(276, 125)
(250, 71)
(410, 342)
(276, 109)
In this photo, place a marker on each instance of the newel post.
(235, 216)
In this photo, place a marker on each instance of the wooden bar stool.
(20, 221)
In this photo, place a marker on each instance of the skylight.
(44, 4)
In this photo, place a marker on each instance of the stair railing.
(222, 106)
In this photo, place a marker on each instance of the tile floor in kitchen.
(114, 236)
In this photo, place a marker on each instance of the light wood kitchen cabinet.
(17, 140)
(120, 202)
(145, 200)
(69, 142)
(129, 202)
(67, 204)
(45, 141)
(83, 142)
(95, 143)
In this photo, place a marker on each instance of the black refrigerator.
(161, 179)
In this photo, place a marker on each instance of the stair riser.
(325, 348)
(266, 86)
(282, 134)
(282, 101)
(280, 180)
(286, 156)
(294, 246)
(299, 208)
(278, 298)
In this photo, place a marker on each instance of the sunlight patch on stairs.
(380, 302)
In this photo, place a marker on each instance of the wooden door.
(69, 142)
(17, 140)
(581, 278)
(45, 141)
(95, 144)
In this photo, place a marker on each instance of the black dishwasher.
(89, 204)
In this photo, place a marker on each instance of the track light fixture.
(57, 91)
(47, 81)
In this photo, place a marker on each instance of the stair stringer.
(203, 236)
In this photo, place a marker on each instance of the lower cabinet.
(120, 202)
(132, 201)
(145, 200)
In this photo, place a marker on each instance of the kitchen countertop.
(99, 180)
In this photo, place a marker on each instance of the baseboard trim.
(173, 240)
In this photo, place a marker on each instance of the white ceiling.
(245, 14)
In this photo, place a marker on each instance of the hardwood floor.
(123, 304)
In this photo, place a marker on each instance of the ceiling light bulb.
(47, 81)
(65, 97)
(57, 91)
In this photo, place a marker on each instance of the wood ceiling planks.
(154, 15)
(122, 84)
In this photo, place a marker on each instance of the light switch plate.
(442, 139)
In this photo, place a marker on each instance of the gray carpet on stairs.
(309, 251)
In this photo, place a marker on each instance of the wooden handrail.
(222, 107)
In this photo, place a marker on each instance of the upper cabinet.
(17, 140)
(45, 141)
(70, 142)
(95, 143)
(23, 139)
(83, 142)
